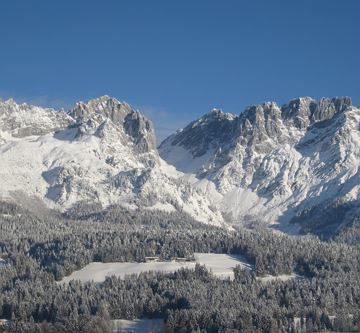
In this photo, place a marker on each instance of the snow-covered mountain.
(276, 164)
(268, 165)
(102, 151)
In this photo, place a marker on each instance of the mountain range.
(293, 167)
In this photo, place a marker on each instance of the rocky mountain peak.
(208, 132)
(93, 117)
(304, 111)
(9, 101)
(102, 107)
(262, 112)
(259, 123)
(218, 114)
(328, 107)
(20, 120)
(260, 127)
(298, 112)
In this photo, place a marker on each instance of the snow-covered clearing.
(98, 271)
(282, 277)
(139, 326)
(221, 265)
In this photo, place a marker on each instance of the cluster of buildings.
(177, 259)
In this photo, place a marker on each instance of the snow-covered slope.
(273, 164)
(101, 151)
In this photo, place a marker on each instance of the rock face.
(273, 164)
(101, 152)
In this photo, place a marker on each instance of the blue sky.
(175, 60)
